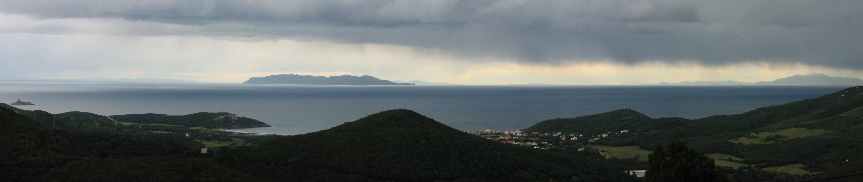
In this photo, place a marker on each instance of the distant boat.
(22, 103)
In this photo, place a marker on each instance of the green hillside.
(624, 119)
(30, 151)
(813, 137)
(398, 145)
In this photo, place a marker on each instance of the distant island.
(795, 80)
(297, 79)
(22, 103)
(709, 83)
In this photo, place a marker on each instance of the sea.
(295, 109)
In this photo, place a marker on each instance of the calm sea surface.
(301, 109)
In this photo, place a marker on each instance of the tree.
(677, 163)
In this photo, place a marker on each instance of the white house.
(637, 173)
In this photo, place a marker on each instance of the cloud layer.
(819, 33)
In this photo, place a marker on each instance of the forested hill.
(74, 120)
(604, 122)
(402, 145)
(32, 151)
(397, 145)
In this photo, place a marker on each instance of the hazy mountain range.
(799, 80)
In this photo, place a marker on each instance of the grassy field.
(641, 155)
(791, 169)
(217, 144)
(728, 161)
(623, 152)
(854, 113)
(147, 124)
(771, 137)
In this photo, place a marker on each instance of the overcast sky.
(455, 41)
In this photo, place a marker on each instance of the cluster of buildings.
(534, 140)
(516, 137)
(545, 141)
(540, 140)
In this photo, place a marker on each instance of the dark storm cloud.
(824, 33)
